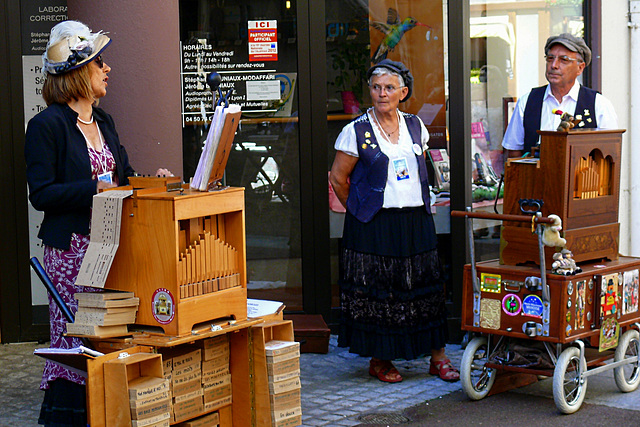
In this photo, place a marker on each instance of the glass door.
(507, 60)
(360, 34)
(252, 45)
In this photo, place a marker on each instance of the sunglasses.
(99, 61)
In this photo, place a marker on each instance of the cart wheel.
(627, 376)
(568, 390)
(476, 380)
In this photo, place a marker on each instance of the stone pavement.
(336, 387)
(336, 391)
(20, 375)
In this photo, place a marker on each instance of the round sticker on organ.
(163, 306)
(512, 304)
(532, 306)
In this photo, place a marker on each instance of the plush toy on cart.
(563, 262)
(567, 121)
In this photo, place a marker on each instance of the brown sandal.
(384, 371)
(444, 370)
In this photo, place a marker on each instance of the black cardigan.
(59, 171)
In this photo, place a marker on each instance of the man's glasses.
(388, 88)
(564, 59)
(99, 61)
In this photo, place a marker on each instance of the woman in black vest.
(392, 293)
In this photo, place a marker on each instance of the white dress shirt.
(605, 115)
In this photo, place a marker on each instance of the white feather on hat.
(72, 45)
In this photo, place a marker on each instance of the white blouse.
(403, 182)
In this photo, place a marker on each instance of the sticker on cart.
(580, 304)
(490, 282)
(511, 304)
(609, 334)
(630, 292)
(568, 330)
(532, 306)
(490, 313)
(162, 306)
(568, 316)
(609, 295)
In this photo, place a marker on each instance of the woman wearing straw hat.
(392, 295)
(72, 150)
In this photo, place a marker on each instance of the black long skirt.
(64, 404)
(392, 288)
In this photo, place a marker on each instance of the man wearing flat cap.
(566, 57)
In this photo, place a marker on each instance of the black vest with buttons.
(585, 106)
(369, 177)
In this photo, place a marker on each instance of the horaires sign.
(252, 85)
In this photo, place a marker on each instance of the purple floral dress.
(62, 267)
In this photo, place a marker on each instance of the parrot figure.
(393, 30)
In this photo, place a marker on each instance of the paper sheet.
(105, 238)
(260, 308)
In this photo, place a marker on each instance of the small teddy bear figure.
(567, 121)
(551, 234)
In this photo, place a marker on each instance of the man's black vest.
(533, 113)
(369, 176)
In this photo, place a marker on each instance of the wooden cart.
(577, 319)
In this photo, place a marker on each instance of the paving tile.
(336, 387)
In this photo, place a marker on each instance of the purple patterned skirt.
(62, 267)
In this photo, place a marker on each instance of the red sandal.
(384, 371)
(444, 370)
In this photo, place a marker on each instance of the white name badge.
(106, 177)
(401, 168)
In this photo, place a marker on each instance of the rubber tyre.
(568, 393)
(476, 380)
(628, 376)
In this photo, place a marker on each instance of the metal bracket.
(474, 273)
(530, 206)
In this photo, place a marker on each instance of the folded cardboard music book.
(74, 359)
(217, 147)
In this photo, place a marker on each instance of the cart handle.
(536, 226)
(503, 217)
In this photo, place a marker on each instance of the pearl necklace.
(84, 122)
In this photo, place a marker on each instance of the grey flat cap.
(396, 67)
(571, 42)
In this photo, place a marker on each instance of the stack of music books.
(283, 369)
(104, 313)
(149, 402)
(216, 375)
(186, 386)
